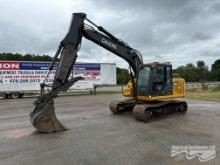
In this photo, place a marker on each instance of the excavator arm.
(43, 116)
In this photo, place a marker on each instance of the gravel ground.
(96, 136)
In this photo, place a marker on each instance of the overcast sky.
(178, 31)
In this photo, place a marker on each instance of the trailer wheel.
(4, 96)
(9, 96)
(15, 95)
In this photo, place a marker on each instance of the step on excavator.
(152, 89)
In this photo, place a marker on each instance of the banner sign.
(28, 75)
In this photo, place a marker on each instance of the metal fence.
(198, 85)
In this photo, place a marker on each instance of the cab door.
(143, 81)
(161, 80)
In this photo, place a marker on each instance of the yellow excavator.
(152, 89)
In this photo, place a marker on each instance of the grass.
(212, 94)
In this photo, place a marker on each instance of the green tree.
(26, 57)
(200, 64)
(123, 75)
(190, 66)
(216, 65)
(201, 71)
(215, 70)
(194, 74)
(187, 72)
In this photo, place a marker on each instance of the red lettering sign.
(9, 65)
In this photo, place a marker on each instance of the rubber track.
(119, 106)
(143, 112)
(140, 114)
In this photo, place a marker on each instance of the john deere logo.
(109, 43)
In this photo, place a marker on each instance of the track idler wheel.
(43, 117)
(182, 108)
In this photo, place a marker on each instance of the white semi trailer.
(18, 78)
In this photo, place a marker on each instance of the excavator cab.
(155, 80)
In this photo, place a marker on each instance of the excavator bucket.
(43, 117)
